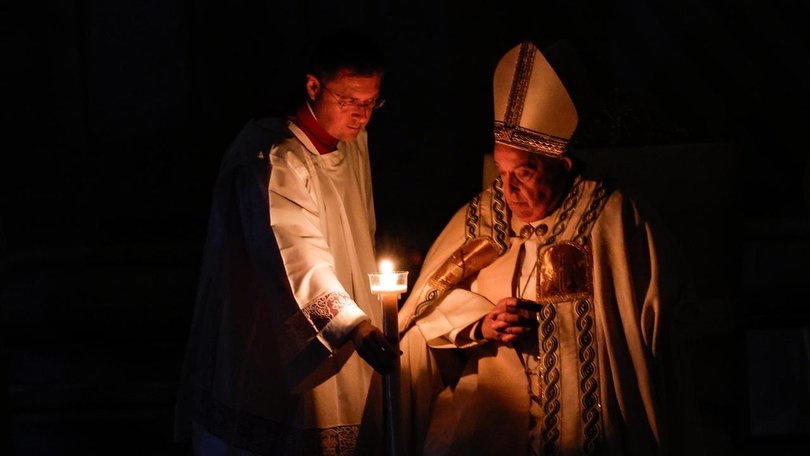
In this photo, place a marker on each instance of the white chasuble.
(593, 378)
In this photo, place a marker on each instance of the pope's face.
(343, 104)
(532, 184)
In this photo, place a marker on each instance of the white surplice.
(269, 368)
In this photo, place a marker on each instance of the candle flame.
(386, 266)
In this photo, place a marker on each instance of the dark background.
(117, 113)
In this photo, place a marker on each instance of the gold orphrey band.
(520, 84)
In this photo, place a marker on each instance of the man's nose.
(362, 113)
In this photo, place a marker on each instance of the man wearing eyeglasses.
(285, 339)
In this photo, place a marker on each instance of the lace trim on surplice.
(305, 325)
(267, 437)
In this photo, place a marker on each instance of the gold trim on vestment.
(467, 260)
(533, 141)
(520, 83)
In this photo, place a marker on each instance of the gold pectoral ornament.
(564, 273)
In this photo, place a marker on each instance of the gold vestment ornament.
(564, 273)
(470, 258)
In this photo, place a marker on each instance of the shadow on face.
(344, 103)
(533, 183)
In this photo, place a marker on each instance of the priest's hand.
(510, 319)
(373, 347)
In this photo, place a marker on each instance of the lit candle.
(388, 281)
(388, 285)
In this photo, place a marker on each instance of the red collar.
(306, 121)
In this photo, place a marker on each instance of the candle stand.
(388, 285)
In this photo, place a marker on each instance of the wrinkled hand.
(373, 347)
(510, 319)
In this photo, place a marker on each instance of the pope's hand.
(373, 347)
(510, 319)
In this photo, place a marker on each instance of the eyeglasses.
(344, 102)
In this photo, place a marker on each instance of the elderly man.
(284, 307)
(539, 322)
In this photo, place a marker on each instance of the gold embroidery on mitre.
(520, 84)
(533, 110)
(529, 140)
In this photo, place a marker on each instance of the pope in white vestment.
(584, 361)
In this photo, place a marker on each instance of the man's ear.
(313, 86)
(567, 163)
